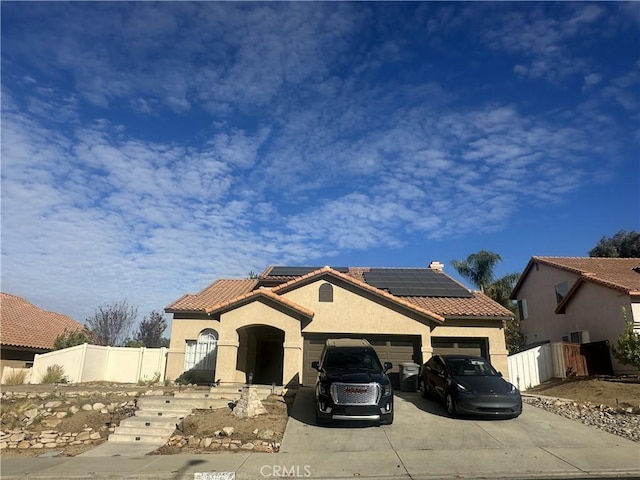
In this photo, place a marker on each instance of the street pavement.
(423, 443)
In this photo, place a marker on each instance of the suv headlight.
(322, 389)
(386, 390)
(512, 389)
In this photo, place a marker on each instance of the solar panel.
(280, 271)
(415, 282)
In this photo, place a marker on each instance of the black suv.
(352, 383)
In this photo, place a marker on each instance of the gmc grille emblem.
(355, 390)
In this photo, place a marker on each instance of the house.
(26, 330)
(274, 326)
(579, 300)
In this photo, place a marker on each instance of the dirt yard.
(206, 423)
(202, 423)
(612, 392)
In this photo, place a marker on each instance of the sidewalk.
(529, 463)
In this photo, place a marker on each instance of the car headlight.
(322, 389)
(512, 389)
(386, 390)
(462, 388)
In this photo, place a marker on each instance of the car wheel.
(451, 405)
(424, 389)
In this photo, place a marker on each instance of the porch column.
(292, 363)
(226, 361)
(426, 348)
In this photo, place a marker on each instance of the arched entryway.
(261, 352)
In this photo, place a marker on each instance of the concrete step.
(163, 431)
(150, 422)
(175, 413)
(181, 403)
(138, 438)
(223, 393)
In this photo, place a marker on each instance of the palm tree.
(478, 268)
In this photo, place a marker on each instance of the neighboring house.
(274, 326)
(579, 300)
(26, 330)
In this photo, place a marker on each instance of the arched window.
(325, 293)
(201, 354)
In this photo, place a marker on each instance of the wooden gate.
(574, 362)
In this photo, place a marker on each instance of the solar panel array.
(299, 271)
(415, 282)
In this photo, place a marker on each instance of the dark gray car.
(469, 385)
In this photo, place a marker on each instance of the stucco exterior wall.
(594, 308)
(257, 313)
(539, 291)
(185, 328)
(351, 311)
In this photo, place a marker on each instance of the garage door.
(390, 348)
(463, 346)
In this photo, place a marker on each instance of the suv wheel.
(450, 404)
(319, 419)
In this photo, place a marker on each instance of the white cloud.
(207, 140)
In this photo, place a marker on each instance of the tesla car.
(469, 384)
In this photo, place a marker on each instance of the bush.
(627, 350)
(55, 374)
(16, 377)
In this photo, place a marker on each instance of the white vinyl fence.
(93, 363)
(536, 365)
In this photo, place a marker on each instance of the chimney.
(435, 265)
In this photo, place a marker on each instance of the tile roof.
(618, 273)
(22, 324)
(261, 292)
(218, 292)
(223, 293)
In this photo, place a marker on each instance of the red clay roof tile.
(224, 293)
(618, 273)
(22, 324)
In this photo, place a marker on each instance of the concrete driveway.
(424, 438)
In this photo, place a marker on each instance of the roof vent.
(435, 265)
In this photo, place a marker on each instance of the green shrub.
(55, 374)
(627, 350)
(16, 377)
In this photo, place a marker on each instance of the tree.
(71, 338)
(622, 245)
(627, 350)
(151, 329)
(478, 268)
(111, 324)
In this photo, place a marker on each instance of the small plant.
(55, 374)
(152, 381)
(16, 377)
(627, 350)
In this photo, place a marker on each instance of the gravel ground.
(624, 422)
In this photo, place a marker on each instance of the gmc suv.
(352, 383)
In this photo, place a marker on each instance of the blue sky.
(151, 148)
